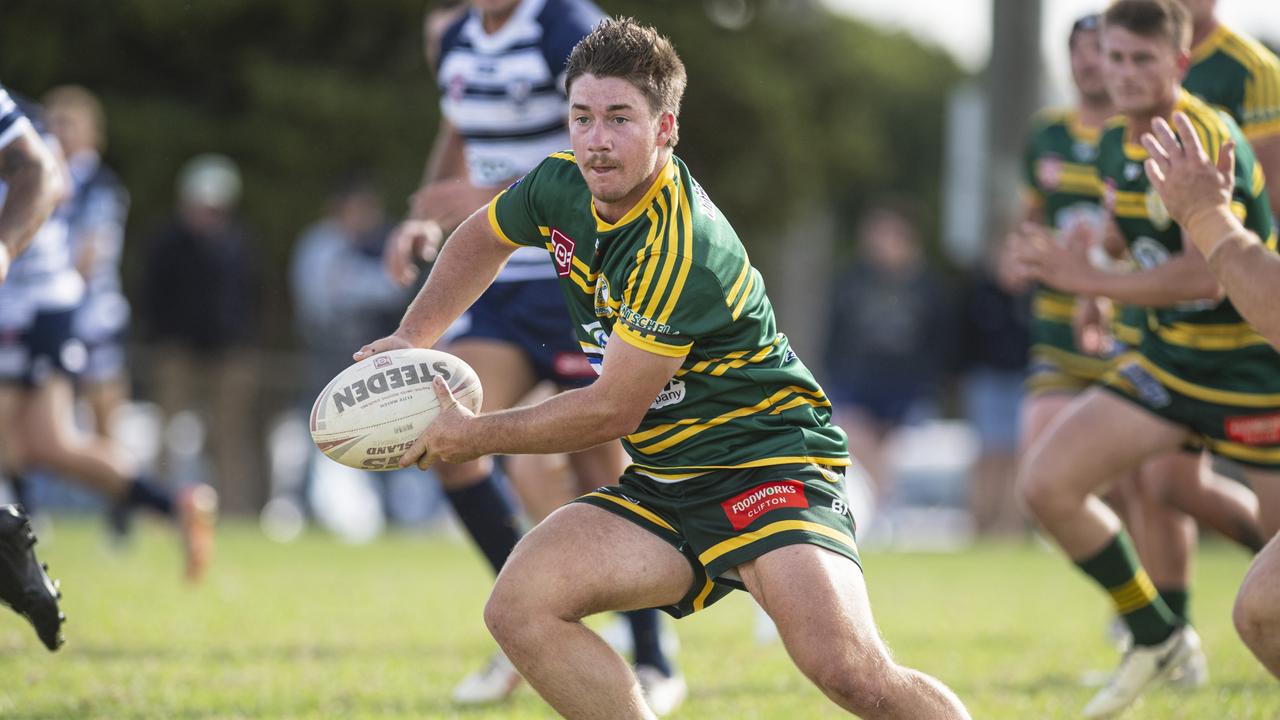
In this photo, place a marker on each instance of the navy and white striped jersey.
(42, 277)
(96, 213)
(504, 93)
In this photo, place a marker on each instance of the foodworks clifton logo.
(562, 252)
(743, 509)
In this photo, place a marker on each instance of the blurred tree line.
(789, 106)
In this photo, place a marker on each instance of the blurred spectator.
(344, 249)
(201, 304)
(883, 358)
(95, 215)
(996, 329)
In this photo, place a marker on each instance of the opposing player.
(737, 477)
(501, 74)
(31, 184)
(39, 358)
(95, 216)
(1175, 384)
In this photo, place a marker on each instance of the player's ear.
(666, 128)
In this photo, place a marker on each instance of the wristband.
(1208, 228)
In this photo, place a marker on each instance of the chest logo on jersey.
(1148, 253)
(1157, 213)
(672, 394)
(603, 301)
(744, 509)
(1049, 172)
(1132, 171)
(562, 252)
(1084, 152)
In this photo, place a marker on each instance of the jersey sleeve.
(1261, 112)
(12, 120)
(514, 215)
(669, 302)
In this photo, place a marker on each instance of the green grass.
(318, 629)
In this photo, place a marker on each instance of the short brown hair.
(623, 48)
(1166, 19)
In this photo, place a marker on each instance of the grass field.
(318, 629)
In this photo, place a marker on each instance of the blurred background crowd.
(264, 150)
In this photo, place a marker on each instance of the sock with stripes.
(1116, 569)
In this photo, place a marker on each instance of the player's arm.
(467, 265)
(611, 407)
(35, 186)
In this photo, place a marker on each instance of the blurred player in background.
(95, 215)
(1198, 371)
(738, 474)
(39, 360)
(31, 185)
(500, 67)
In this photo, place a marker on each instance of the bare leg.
(818, 600)
(50, 438)
(1164, 536)
(1257, 609)
(1221, 504)
(550, 583)
(105, 399)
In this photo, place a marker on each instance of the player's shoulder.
(1212, 124)
(1254, 57)
(453, 37)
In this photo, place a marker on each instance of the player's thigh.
(1171, 475)
(1095, 440)
(1266, 485)
(12, 401)
(503, 369)
(1038, 411)
(48, 423)
(818, 600)
(583, 560)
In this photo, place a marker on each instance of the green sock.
(1116, 569)
(1178, 600)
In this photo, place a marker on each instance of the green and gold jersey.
(672, 278)
(1239, 75)
(1061, 178)
(1203, 342)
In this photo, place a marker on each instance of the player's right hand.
(390, 342)
(410, 241)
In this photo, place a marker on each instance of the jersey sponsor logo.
(562, 252)
(1049, 172)
(1254, 429)
(672, 394)
(1081, 213)
(1084, 152)
(1149, 389)
(1149, 253)
(707, 207)
(789, 356)
(1132, 171)
(1157, 213)
(744, 509)
(641, 323)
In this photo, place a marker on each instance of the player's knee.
(1256, 614)
(1036, 489)
(866, 689)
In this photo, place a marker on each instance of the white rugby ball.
(373, 411)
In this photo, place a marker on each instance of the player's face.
(617, 138)
(1086, 64)
(73, 128)
(1201, 10)
(1142, 73)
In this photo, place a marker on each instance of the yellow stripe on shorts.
(642, 512)
(733, 543)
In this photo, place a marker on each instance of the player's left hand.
(1188, 181)
(447, 438)
(1061, 265)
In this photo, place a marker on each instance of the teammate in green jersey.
(1199, 195)
(1198, 371)
(1240, 75)
(737, 480)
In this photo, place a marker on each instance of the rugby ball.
(373, 411)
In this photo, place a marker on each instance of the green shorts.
(728, 517)
(1054, 370)
(1240, 426)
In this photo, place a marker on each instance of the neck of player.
(1094, 111)
(612, 212)
(492, 22)
(1140, 123)
(1202, 30)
